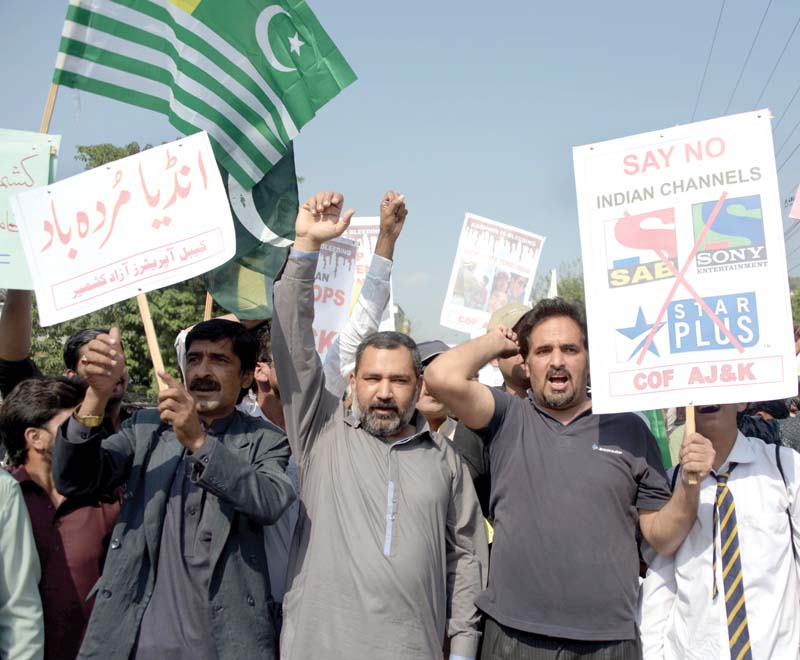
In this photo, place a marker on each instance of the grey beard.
(378, 429)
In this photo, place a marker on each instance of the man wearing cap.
(434, 410)
(515, 382)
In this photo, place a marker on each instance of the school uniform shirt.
(680, 619)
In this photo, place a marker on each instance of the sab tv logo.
(640, 248)
(736, 238)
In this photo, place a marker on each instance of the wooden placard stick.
(152, 341)
(209, 305)
(691, 477)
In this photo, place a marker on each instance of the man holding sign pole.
(568, 490)
(731, 590)
(186, 573)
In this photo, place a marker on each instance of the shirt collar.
(742, 451)
(21, 475)
(541, 410)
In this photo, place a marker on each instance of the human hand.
(102, 364)
(318, 220)
(696, 458)
(505, 341)
(177, 407)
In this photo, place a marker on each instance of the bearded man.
(390, 550)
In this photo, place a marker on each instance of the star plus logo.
(635, 336)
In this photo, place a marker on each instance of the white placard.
(364, 231)
(685, 267)
(131, 226)
(333, 285)
(495, 265)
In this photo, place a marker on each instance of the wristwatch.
(87, 420)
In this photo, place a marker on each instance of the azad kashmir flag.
(249, 73)
(250, 77)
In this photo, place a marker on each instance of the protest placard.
(364, 231)
(495, 265)
(333, 284)
(27, 161)
(685, 267)
(131, 226)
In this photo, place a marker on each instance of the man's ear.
(247, 379)
(69, 373)
(353, 380)
(261, 374)
(33, 438)
(494, 362)
(740, 407)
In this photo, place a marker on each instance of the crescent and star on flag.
(262, 32)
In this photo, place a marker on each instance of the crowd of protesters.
(276, 505)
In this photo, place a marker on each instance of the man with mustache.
(186, 573)
(568, 490)
(389, 551)
(731, 590)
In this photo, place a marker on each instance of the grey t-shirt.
(565, 503)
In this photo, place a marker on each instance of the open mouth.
(205, 387)
(707, 410)
(558, 382)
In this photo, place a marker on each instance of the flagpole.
(144, 308)
(49, 105)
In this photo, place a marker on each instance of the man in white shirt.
(731, 590)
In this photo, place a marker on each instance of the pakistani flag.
(250, 73)
(264, 226)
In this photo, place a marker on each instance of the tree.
(570, 283)
(93, 155)
(172, 308)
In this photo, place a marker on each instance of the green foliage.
(795, 298)
(93, 155)
(570, 283)
(172, 309)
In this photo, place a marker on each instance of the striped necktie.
(725, 517)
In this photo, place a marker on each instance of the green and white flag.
(251, 73)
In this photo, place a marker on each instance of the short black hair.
(245, 345)
(390, 339)
(545, 309)
(32, 404)
(777, 409)
(72, 349)
(264, 338)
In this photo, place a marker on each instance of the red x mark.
(680, 279)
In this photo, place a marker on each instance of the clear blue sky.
(468, 106)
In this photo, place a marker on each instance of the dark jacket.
(243, 474)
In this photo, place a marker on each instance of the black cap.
(430, 349)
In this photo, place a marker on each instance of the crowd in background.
(382, 503)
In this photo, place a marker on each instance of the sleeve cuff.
(380, 267)
(77, 433)
(464, 645)
(302, 254)
(202, 457)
